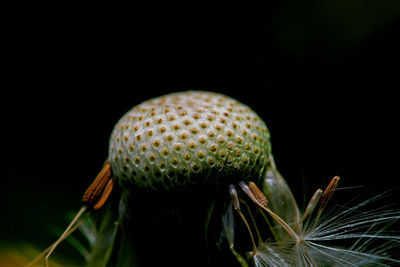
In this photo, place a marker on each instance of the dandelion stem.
(249, 229)
(65, 234)
(282, 223)
(258, 198)
(260, 241)
(236, 204)
(38, 257)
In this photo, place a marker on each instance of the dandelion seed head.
(194, 123)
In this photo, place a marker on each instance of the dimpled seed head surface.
(192, 137)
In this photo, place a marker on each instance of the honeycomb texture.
(192, 137)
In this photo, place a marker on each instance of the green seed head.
(190, 137)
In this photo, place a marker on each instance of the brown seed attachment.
(95, 190)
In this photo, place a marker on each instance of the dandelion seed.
(341, 236)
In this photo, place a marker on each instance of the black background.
(323, 76)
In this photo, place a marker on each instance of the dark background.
(324, 76)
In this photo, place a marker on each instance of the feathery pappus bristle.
(360, 234)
